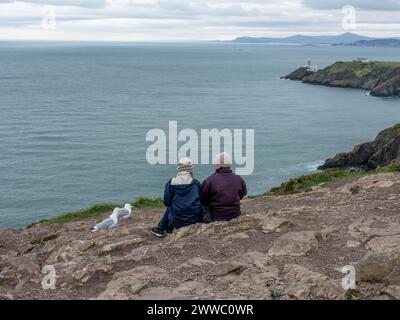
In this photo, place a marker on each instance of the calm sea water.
(73, 117)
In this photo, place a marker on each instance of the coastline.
(295, 243)
(379, 78)
(307, 228)
(303, 183)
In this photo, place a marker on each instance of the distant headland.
(345, 39)
(380, 78)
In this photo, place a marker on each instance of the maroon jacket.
(222, 192)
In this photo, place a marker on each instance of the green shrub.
(99, 209)
(306, 182)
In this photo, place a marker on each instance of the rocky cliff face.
(380, 78)
(282, 247)
(384, 150)
(299, 74)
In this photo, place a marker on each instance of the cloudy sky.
(176, 20)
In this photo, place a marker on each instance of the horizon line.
(194, 40)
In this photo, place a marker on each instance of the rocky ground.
(282, 247)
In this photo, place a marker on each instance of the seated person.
(182, 199)
(222, 191)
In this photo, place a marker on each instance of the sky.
(193, 20)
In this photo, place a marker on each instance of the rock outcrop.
(380, 78)
(384, 150)
(282, 247)
(299, 74)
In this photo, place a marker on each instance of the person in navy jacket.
(182, 197)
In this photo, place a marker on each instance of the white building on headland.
(361, 59)
(310, 67)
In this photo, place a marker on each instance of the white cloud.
(370, 5)
(74, 3)
(127, 20)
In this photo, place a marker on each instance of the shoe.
(158, 233)
(170, 228)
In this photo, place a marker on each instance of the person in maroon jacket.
(222, 191)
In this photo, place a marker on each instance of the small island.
(380, 78)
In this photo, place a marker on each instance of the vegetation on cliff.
(380, 78)
(306, 182)
(98, 210)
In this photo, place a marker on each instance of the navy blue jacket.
(183, 202)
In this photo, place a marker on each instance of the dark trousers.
(165, 224)
(207, 217)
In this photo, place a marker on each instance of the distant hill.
(347, 37)
(373, 43)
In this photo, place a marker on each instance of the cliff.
(299, 74)
(284, 246)
(380, 78)
(384, 150)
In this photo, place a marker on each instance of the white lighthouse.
(310, 67)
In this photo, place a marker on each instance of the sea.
(74, 116)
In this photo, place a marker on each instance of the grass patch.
(306, 182)
(98, 210)
(148, 203)
(318, 236)
(353, 294)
